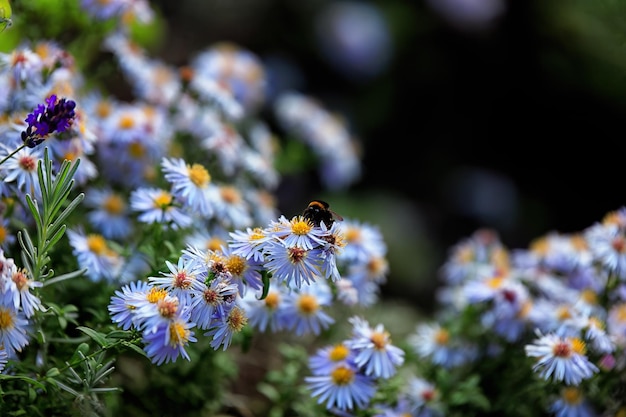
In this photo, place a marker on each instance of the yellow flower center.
(579, 242)
(301, 227)
(342, 375)
(540, 246)
(272, 300)
(6, 319)
(237, 319)
(163, 200)
(338, 353)
(353, 235)
(379, 340)
(167, 307)
(179, 335)
(199, 175)
(97, 244)
(21, 279)
(215, 243)
(257, 233)
(126, 122)
(578, 345)
(572, 395)
(563, 313)
(231, 195)
(103, 109)
(495, 282)
(236, 265)
(136, 150)
(589, 296)
(442, 337)
(114, 204)
(621, 312)
(596, 323)
(307, 304)
(377, 265)
(155, 294)
(3, 234)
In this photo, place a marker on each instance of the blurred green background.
(494, 113)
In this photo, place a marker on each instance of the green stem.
(6, 158)
(97, 352)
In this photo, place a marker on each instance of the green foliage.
(283, 387)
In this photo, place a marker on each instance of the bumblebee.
(319, 211)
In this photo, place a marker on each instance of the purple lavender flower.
(56, 116)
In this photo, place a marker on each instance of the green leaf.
(64, 277)
(26, 379)
(34, 209)
(98, 337)
(269, 391)
(134, 347)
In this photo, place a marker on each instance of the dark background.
(515, 124)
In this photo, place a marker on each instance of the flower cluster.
(174, 247)
(279, 278)
(345, 375)
(56, 116)
(559, 304)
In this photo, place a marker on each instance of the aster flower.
(343, 387)
(433, 341)
(362, 241)
(224, 329)
(19, 168)
(56, 116)
(329, 357)
(157, 206)
(231, 210)
(168, 340)
(297, 232)
(249, 244)
(160, 313)
(212, 300)
(607, 243)
(572, 403)
(13, 330)
(191, 184)
(124, 303)
(304, 309)
(239, 71)
(94, 253)
(17, 291)
(422, 396)
(616, 323)
(269, 312)
(181, 279)
(294, 265)
(246, 273)
(109, 213)
(562, 359)
(373, 349)
(145, 302)
(6, 237)
(213, 239)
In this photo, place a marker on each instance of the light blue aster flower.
(13, 330)
(168, 340)
(343, 388)
(373, 349)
